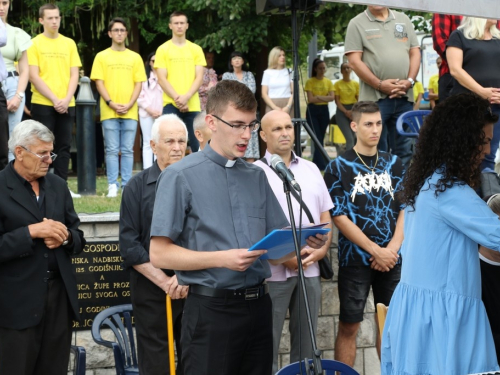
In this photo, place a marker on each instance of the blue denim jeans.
(9, 87)
(119, 136)
(188, 118)
(319, 118)
(391, 141)
(489, 160)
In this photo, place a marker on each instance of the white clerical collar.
(230, 163)
(217, 158)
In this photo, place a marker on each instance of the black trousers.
(226, 336)
(43, 349)
(150, 315)
(4, 132)
(61, 124)
(445, 86)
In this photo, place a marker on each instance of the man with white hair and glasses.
(38, 236)
(149, 285)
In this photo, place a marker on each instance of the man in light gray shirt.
(210, 208)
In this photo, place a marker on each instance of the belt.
(255, 292)
(51, 275)
(13, 74)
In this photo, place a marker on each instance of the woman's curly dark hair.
(451, 137)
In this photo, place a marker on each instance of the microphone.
(278, 164)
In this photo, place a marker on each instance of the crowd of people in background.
(412, 226)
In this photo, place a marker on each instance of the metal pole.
(296, 67)
(317, 368)
(313, 52)
(85, 140)
(297, 120)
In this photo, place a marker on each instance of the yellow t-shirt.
(347, 92)
(434, 83)
(417, 89)
(120, 71)
(319, 87)
(54, 58)
(180, 63)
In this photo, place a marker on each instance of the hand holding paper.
(279, 242)
(241, 259)
(318, 241)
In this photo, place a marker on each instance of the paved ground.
(332, 152)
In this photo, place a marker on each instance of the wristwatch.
(108, 101)
(412, 82)
(20, 95)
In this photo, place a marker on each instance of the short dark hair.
(45, 7)
(178, 13)
(343, 65)
(316, 62)
(229, 92)
(363, 107)
(237, 54)
(117, 20)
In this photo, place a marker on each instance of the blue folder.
(279, 242)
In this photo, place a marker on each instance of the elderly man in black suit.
(38, 235)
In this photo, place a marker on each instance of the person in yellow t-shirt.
(118, 73)
(320, 92)
(434, 90)
(346, 95)
(53, 69)
(434, 85)
(180, 66)
(418, 93)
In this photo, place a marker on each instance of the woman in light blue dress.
(437, 323)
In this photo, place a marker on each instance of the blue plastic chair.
(329, 368)
(119, 320)
(413, 121)
(80, 359)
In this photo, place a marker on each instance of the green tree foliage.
(217, 25)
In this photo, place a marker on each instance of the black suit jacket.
(23, 260)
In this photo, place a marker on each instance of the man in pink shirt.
(278, 133)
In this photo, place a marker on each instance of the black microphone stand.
(315, 368)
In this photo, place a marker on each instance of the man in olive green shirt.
(384, 52)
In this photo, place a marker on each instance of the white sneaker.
(112, 191)
(75, 195)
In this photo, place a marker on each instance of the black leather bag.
(325, 268)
